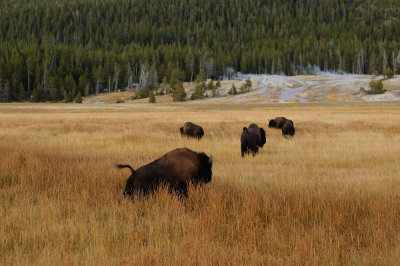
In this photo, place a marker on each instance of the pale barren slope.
(328, 196)
(275, 88)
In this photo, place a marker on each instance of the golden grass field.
(328, 196)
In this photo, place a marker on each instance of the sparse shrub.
(246, 86)
(161, 92)
(152, 98)
(376, 87)
(142, 95)
(388, 73)
(120, 101)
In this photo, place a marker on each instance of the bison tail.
(120, 166)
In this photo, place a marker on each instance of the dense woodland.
(54, 50)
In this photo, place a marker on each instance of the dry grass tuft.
(330, 195)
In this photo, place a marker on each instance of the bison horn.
(210, 159)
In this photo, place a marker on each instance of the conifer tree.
(152, 97)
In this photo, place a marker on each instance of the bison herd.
(179, 167)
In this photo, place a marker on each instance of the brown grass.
(330, 195)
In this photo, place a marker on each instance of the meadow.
(328, 196)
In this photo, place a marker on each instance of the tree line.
(55, 50)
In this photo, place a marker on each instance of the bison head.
(263, 139)
(201, 133)
(205, 172)
(288, 128)
(272, 123)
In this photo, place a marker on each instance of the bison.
(175, 169)
(192, 130)
(252, 138)
(288, 128)
(278, 122)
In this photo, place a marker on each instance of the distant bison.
(175, 169)
(252, 138)
(278, 122)
(288, 128)
(192, 130)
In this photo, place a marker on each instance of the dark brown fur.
(252, 138)
(288, 128)
(192, 130)
(175, 169)
(278, 122)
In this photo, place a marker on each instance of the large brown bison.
(288, 128)
(175, 169)
(252, 138)
(278, 122)
(192, 130)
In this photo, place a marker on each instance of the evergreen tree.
(178, 93)
(78, 98)
(210, 85)
(232, 90)
(152, 98)
(21, 92)
(36, 95)
(98, 48)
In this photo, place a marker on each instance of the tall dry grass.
(330, 195)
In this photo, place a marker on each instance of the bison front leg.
(243, 148)
(254, 150)
(182, 189)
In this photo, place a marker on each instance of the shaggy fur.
(176, 169)
(288, 128)
(278, 122)
(192, 130)
(252, 138)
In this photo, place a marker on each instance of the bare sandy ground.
(284, 89)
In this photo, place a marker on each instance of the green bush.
(376, 87)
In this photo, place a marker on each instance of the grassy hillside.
(327, 196)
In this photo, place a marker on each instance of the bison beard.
(175, 169)
(252, 138)
(192, 130)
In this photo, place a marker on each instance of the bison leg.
(243, 149)
(254, 150)
(181, 190)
